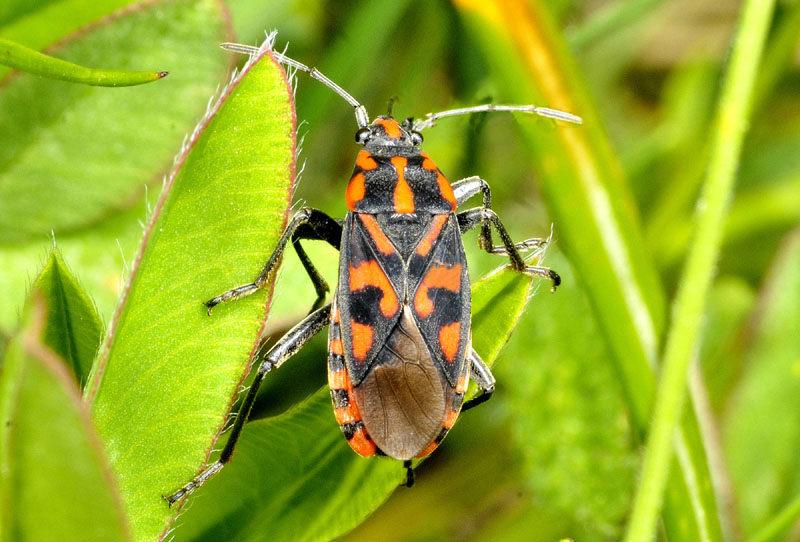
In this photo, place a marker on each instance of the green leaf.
(49, 451)
(27, 60)
(498, 300)
(98, 256)
(168, 374)
(72, 155)
(761, 428)
(72, 329)
(567, 413)
(295, 478)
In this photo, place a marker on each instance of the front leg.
(306, 224)
(464, 190)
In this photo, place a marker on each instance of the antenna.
(431, 118)
(362, 119)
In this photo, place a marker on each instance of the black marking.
(404, 230)
(335, 362)
(349, 429)
(340, 398)
(458, 399)
(364, 302)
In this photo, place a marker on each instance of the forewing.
(439, 280)
(368, 300)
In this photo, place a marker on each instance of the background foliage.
(557, 451)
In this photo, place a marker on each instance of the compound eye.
(416, 138)
(362, 135)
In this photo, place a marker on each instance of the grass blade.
(779, 524)
(728, 135)
(596, 223)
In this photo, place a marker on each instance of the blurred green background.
(555, 453)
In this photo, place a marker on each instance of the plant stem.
(609, 20)
(783, 520)
(730, 127)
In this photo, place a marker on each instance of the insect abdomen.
(345, 407)
(404, 397)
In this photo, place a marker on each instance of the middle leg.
(482, 216)
(306, 224)
(469, 187)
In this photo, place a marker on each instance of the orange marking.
(371, 274)
(463, 382)
(361, 443)
(438, 276)
(348, 414)
(424, 246)
(335, 314)
(365, 161)
(355, 191)
(392, 128)
(446, 190)
(450, 419)
(362, 339)
(403, 195)
(444, 185)
(431, 447)
(449, 336)
(336, 347)
(375, 231)
(338, 380)
(427, 163)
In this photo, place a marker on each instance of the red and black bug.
(399, 348)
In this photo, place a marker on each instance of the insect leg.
(409, 481)
(483, 377)
(478, 216)
(325, 228)
(282, 350)
(464, 190)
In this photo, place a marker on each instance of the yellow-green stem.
(728, 135)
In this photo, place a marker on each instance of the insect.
(399, 343)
